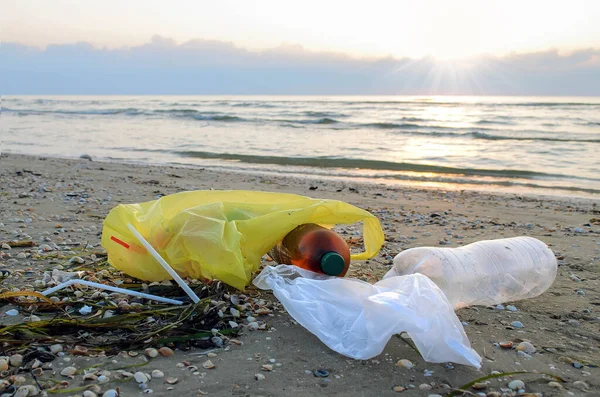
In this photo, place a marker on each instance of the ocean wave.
(485, 121)
(348, 163)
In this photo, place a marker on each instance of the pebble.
(580, 292)
(500, 307)
(54, 349)
(425, 386)
(89, 393)
(12, 312)
(208, 364)
(6, 246)
(517, 324)
(103, 379)
(259, 377)
(21, 255)
(581, 385)
(398, 389)
(574, 323)
(77, 259)
(516, 385)
(405, 363)
(511, 308)
(480, 386)
(574, 278)
(110, 393)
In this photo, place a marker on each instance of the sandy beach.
(563, 324)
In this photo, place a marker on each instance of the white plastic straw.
(164, 264)
(110, 288)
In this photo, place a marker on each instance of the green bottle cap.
(332, 263)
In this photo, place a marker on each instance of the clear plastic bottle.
(487, 272)
(314, 248)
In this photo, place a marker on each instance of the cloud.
(199, 66)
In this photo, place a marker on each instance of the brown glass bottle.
(314, 248)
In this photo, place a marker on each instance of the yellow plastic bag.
(220, 234)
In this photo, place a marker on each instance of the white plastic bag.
(357, 319)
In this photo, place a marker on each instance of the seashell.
(480, 386)
(90, 376)
(16, 360)
(211, 355)
(18, 380)
(37, 372)
(253, 326)
(141, 377)
(506, 345)
(126, 374)
(3, 364)
(151, 352)
(263, 310)
(208, 364)
(157, 374)
(89, 393)
(31, 319)
(259, 376)
(166, 352)
(22, 391)
(36, 363)
(56, 348)
(103, 379)
(234, 312)
(179, 365)
(171, 381)
(405, 363)
(111, 393)
(132, 354)
(267, 367)
(79, 351)
(525, 347)
(68, 372)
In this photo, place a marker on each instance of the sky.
(300, 47)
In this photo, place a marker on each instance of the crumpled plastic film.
(220, 234)
(357, 319)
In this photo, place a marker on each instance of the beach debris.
(85, 310)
